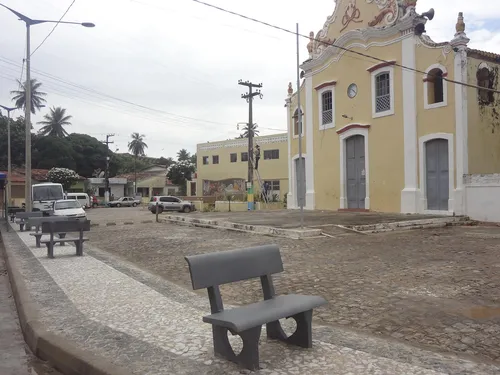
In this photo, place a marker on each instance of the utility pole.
(9, 160)
(106, 172)
(301, 189)
(249, 98)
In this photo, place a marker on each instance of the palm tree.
(37, 97)
(136, 147)
(253, 128)
(55, 122)
(183, 155)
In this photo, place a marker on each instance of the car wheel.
(134, 204)
(187, 209)
(118, 205)
(160, 209)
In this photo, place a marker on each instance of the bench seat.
(242, 318)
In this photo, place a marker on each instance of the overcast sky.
(183, 60)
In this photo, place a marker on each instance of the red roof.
(39, 175)
(15, 177)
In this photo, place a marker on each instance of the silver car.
(169, 203)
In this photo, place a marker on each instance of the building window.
(233, 158)
(271, 154)
(273, 189)
(435, 90)
(326, 108)
(382, 91)
(296, 124)
(215, 159)
(205, 160)
(435, 86)
(273, 185)
(244, 156)
(486, 79)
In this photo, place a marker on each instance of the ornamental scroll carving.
(390, 11)
(352, 14)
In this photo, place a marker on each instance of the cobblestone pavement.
(133, 214)
(149, 325)
(436, 288)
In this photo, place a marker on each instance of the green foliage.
(179, 173)
(37, 96)
(65, 177)
(18, 138)
(54, 123)
(49, 152)
(137, 146)
(88, 154)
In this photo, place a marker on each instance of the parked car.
(170, 203)
(83, 198)
(68, 207)
(124, 202)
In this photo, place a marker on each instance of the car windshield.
(67, 205)
(47, 193)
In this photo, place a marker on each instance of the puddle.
(484, 312)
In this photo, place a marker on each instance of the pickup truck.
(125, 202)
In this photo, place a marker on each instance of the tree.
(179, 173)
(37, 97)
(194, 160)
(246, 133)
(50, 152)
(137, 146)
(65, 177)
(89, 154)
(17, 141)
(183, 155)
(166, 161)
(55, 122)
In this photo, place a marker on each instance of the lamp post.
(30, 22)
(9, 161)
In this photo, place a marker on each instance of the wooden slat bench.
(36, 222)
(22, 217)
(214, 269)
(60, 227)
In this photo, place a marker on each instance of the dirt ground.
(437, 288)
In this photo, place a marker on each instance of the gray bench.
(21, 218)
(36, 222)
(211, 270)
(59, 227)
(13, 210)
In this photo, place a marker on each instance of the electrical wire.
(337, 46)
(51, 31)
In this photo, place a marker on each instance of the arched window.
(485, 78)
(296, 124)
(435, 86)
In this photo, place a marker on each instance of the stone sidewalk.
(139, 321)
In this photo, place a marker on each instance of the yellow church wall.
(484, 124)
(385, 136)
(440, 119)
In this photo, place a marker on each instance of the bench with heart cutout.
(70, 226)
(215, 269)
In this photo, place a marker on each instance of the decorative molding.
(325, 84)
(351, 14)
(352, 126)
(381, 65)
(427, 79)
(343, 173)
(243, 142)
(451, 170)
(481, 180)
(389, 12)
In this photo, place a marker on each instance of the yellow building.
(383, 138)
(223, 166)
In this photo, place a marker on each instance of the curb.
(61, 353)
(296, 234)
(413, 224)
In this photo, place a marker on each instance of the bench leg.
(79, 247)
(21, 227)
(301, 337)
(249, 356)
(50, 250)
(38, 238)
(61, 236)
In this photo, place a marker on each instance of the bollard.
(157, 212)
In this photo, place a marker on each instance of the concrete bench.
(36, 222)
(60, 227)
(13, 210)
(22, 217)
(214, 269)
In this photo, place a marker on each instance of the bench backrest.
(40, 220)
(26, 215)
(213, 269)
(66, 226)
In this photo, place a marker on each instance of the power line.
(337, 46)
(51, 31)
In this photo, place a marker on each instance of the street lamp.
(9, 162)
(30, 22)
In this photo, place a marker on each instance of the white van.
(83, 198)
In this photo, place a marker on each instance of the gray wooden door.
(300, 177)
(437, 174)
(355, 171)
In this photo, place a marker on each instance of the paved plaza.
(419, 302)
